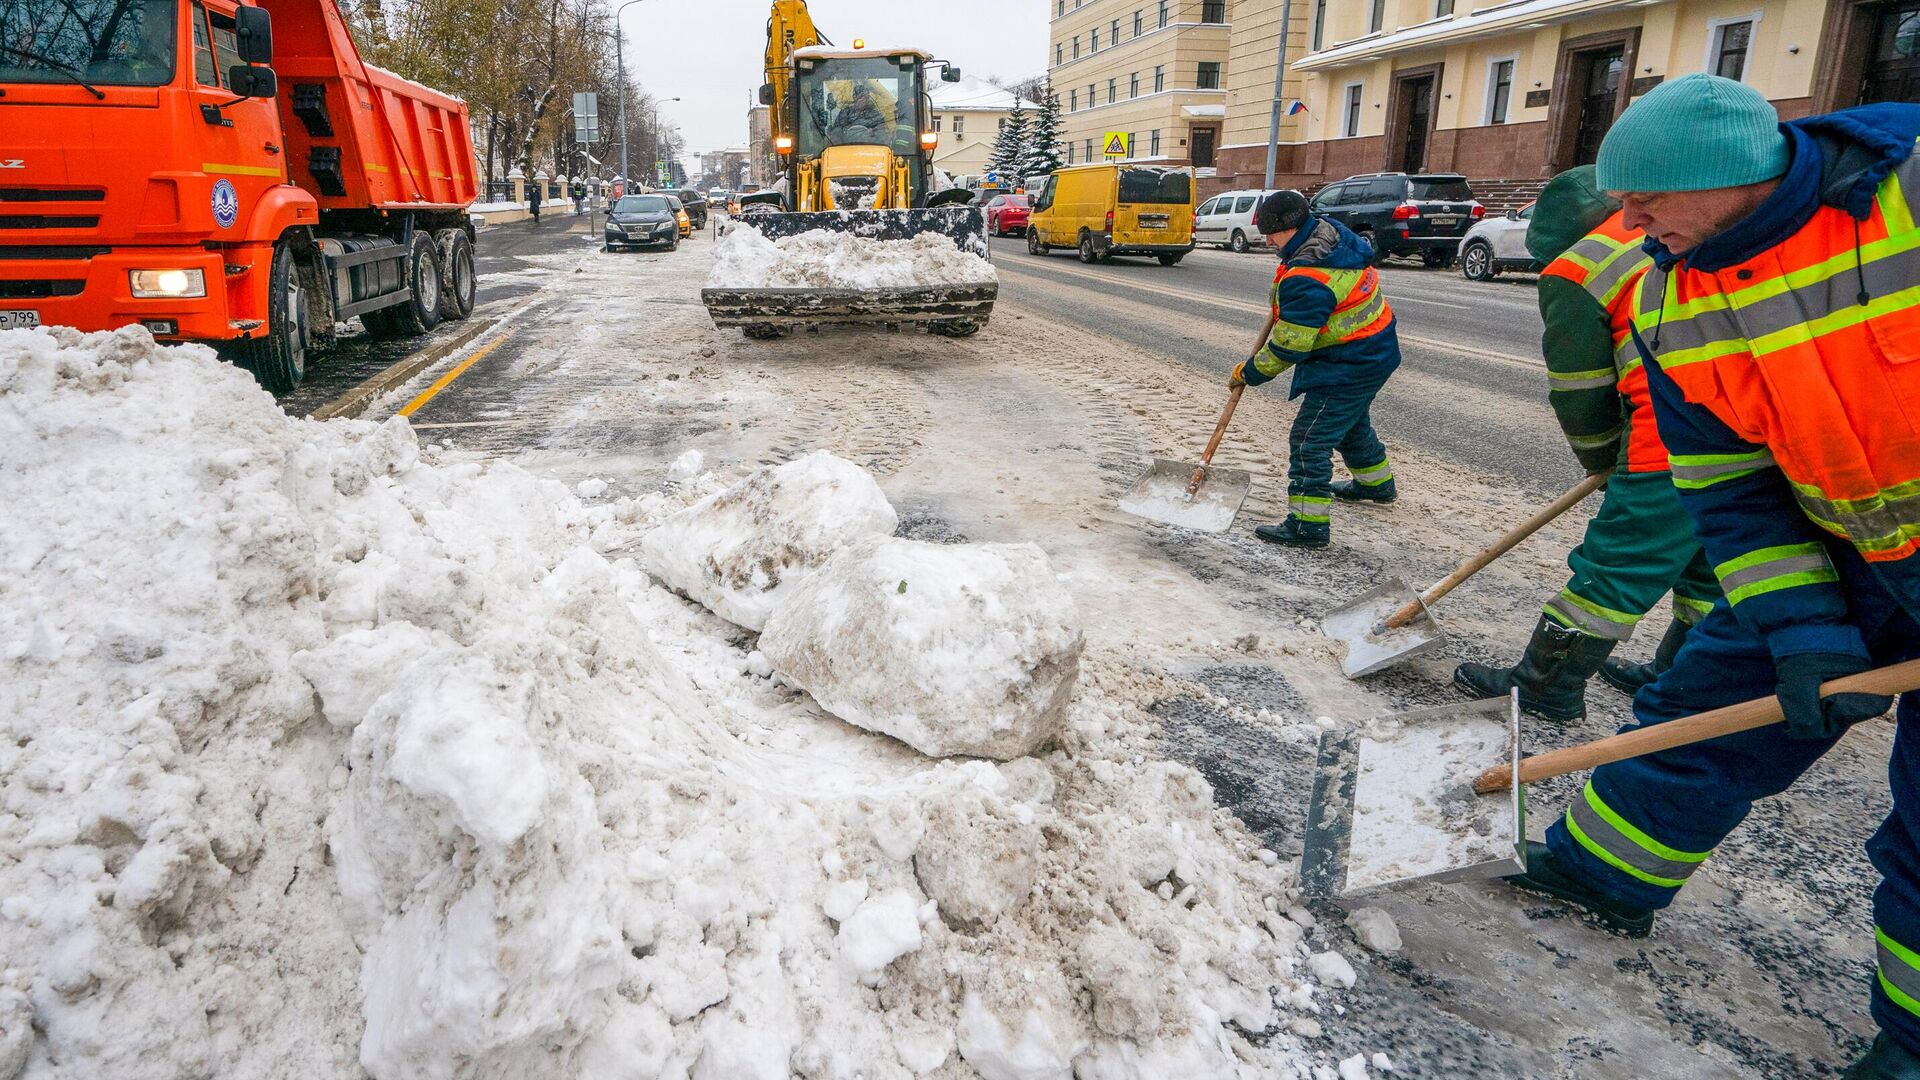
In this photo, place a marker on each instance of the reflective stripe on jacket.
(1609, 263)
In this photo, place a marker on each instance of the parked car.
(1107, 210)
(1404, 214)
(1498, 244)
(1226, 220)
(680, 215)
(1007, 214)
(644, 221)
(695, 204)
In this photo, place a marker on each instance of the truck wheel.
(456, 273)
(1087, 254)
(421, 313)
(279, 359)
(1036, 246)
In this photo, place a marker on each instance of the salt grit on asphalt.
(323, 752)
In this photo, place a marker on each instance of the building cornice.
(1451, 29)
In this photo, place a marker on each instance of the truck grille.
(46, 221)
(21, 194)
(39, 289)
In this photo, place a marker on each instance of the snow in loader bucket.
(966, 226)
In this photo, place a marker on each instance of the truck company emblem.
(226, 203)
(13, 163)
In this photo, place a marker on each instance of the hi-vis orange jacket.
(1783, 357)
(1607, 264)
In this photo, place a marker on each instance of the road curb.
(355, 401)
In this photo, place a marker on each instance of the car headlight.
(167, 284)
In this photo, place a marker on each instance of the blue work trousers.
(1642, 826)
(1331, 418)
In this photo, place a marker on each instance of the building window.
(1133, 85)
(1069, 153)
(1073, 101)
(1153, 143)
(1003, 124)
(936, 123)
(1377, 17)
(1163, 12)
(1319, 23)
(1353, 111)
(1113, 90)
(1500, 94)
(1159, 78)
(1209, 77)
(960, 127)
(1093, 41)
(1061, 9)
(1730, 41)
(1076, 46)
(1213, 11)
(1443, 7)
(1090, 97)
(1059, 54)
(1113, 33)
(1133, 148)
(1089, 149)
(1138, 21)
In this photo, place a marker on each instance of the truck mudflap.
(966, 226)
(971, 303)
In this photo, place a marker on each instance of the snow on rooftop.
(1203, 110)
(971, 94)
(821, 51)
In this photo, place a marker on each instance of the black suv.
(694, 203)
(1402, 213)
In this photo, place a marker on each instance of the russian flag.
(1296, 107)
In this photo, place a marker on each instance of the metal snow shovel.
(1194, 496)
(1391, 623)
(1429, 795)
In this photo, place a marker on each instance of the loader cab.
(861, 129)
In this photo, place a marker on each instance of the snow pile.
(738, 551)
(823, 259)
(324, 755)
(952, 649)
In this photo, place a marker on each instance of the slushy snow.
(950, 648)
(743, 258)
(737, 551)
(326, 754)
(1375, 929)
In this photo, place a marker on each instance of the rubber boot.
(1629, 678)
(1885, 1060)
(1355, 491)
(1544, 876)
(1293, 533)
(1552, 674)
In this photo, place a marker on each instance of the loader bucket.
(950, 309)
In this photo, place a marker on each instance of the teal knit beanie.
(1692, 134)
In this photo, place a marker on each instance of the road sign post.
(586, 132)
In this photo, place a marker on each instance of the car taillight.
(1405, 211)
(1478, 211)
(1109, 221)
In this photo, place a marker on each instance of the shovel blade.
(1160, 494)
(1393, 802)
(1354, 625)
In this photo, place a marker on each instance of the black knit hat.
(1280, 211)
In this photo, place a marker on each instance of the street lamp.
(620, 65)
(653, 129)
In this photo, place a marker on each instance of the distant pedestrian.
(533, 201)
(579, 199)
(1332, 320)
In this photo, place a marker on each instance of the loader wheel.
(1035, 246)
(456, 273)
(1087, 254)
(955, 327)
(279, 359)
(421, 313)
(761, 332)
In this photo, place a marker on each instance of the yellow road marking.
(1258, 309)
(446, 380)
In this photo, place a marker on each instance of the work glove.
(1239, 376)
(1809, 716)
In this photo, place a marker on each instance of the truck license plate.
(11, 319)
(1153, 221)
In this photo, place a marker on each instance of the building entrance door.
(1200, 144)
(1893, 67)
(1419, 120)
(1599, 89)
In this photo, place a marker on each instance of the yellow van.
(1108, 210)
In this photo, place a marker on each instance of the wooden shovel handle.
(1896, 679)
(1500, 547)
(1226, 415)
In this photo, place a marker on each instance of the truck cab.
(168, 163)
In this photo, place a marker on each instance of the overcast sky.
(709, 53)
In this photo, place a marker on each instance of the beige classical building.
(1156, 69)
(968, 116)
(1253, 56)
(1523, 89)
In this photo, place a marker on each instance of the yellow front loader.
(852, 136)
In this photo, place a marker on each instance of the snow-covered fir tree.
(1010, 148)
(1043, 148)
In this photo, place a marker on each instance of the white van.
(1226, 220)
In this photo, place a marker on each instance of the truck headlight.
(168, 284)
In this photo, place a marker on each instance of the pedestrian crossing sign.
(1118, 143)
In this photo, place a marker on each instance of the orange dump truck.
(231, 173)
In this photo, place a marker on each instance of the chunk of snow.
(1354, 1068)
(738, 551)
(881, 930)
(977, 859)
(590, 488)
(1032, 1051)
(1332, 969)
(1382, 1062)
(828, 259)
(1375, 929)
(686, 466)
(950, 648)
